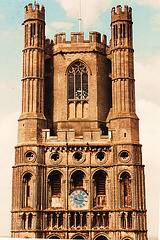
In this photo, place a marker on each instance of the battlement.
(119, 14)
(93, 136)
(78, 37)
(34, 12)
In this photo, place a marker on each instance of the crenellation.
(78, 37)
(119, 14)
(69, 136)
(37, 12)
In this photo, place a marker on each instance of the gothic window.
(78, 81)
(26, 190)
(125, 182)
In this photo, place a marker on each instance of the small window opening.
(129, 220)
(30, 156)
(124, 154)
(55, 157)
(124, 30)
(121, 30)
(78, 156)
(123, 220)
(24, 221)
(100, 156)
(30, 221)
(116, 31)
(125, 134)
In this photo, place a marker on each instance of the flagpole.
(80, 16)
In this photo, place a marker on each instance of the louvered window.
(56, 185)
(100, 182)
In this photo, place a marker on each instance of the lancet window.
(26, 190)
(125, 182)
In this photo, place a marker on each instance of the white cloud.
(91, 10)
(147, 79)
(62, 25)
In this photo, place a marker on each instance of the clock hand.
(81, 199)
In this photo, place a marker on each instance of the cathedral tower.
(78, 170)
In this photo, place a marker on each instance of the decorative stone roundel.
(30, 156)
(125, 156)
(55, 158)
(78, 157)
(101, 157)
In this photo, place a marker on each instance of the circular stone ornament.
(125, 156)
(55, 158)
(101, 157)
(78, 157)
(30, 156)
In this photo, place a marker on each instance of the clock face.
(78, 199)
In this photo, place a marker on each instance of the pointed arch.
(78, 60)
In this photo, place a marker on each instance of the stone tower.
(78, 170)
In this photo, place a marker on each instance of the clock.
(78, 199)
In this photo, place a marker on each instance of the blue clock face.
(78, 199)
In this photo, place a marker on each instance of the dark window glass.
(78, 81)
(78, 86)
(85, 85)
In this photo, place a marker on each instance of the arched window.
(78, 81)
(26, 190)
(99, 188)
(125, 181)
(55, 183)
(78, 91)
(54, 188)
(77, 179)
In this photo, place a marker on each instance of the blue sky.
(62, 16)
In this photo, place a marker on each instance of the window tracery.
(78, 81)
(78, 91)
